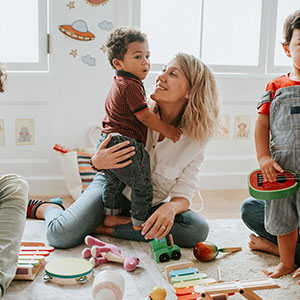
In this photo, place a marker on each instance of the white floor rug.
(243, 265)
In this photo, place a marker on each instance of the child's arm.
(149, 119)
(266, 163)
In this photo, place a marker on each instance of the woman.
(185, 96)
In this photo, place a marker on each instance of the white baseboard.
(52, 185)
(223, 181)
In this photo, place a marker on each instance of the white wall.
(68, 99)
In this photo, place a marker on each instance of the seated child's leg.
(287, 247)
(112, 207)
(142, 192)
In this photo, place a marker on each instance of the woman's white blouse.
(174, 167)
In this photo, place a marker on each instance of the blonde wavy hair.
(200, 117)
(3, 77)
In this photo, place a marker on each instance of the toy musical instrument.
(206, 251)
(31, 259)
(67, 271)
(286, 185)
(215, 290)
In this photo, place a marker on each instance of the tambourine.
(68, 271)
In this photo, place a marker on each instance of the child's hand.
(173, 133)
(269, 167)
(297, 274)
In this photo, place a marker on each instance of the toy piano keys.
(30, 260)
(190, 284)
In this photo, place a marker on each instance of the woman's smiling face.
(171, 85)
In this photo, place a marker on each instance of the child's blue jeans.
(137, 176)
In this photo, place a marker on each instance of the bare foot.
(297, 274)
(137, 228)
(259, 243)
(279, 270)
(101, 229)
(110, 221)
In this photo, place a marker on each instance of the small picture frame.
(24, 131)
(223, 132)
(2, 135)
(242, 127)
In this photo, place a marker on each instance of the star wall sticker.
(71, 4)
(73, 52)
(103, 48)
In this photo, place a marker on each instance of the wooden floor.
(220, 204)
(217, 204)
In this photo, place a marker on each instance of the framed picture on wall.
(24, 131)
(223, 132)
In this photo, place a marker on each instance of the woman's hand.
(111, 158)
(161, 222)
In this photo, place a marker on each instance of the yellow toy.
(157, 293)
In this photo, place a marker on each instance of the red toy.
(206, 251)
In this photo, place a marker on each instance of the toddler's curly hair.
(118, 41)
(292, 22)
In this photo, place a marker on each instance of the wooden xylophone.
(190, 284)
(30, 260)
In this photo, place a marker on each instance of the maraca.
(206, 251)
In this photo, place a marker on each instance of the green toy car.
(162, 252)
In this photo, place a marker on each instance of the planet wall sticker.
(96, 2)
(78, 31)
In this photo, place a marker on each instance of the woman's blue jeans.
(253, 215)
(67, 229)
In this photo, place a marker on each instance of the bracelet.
(94, 168)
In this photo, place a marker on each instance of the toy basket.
(77, 171)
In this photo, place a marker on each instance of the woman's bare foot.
(261, 244)
(110, 221)
(279, 270)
